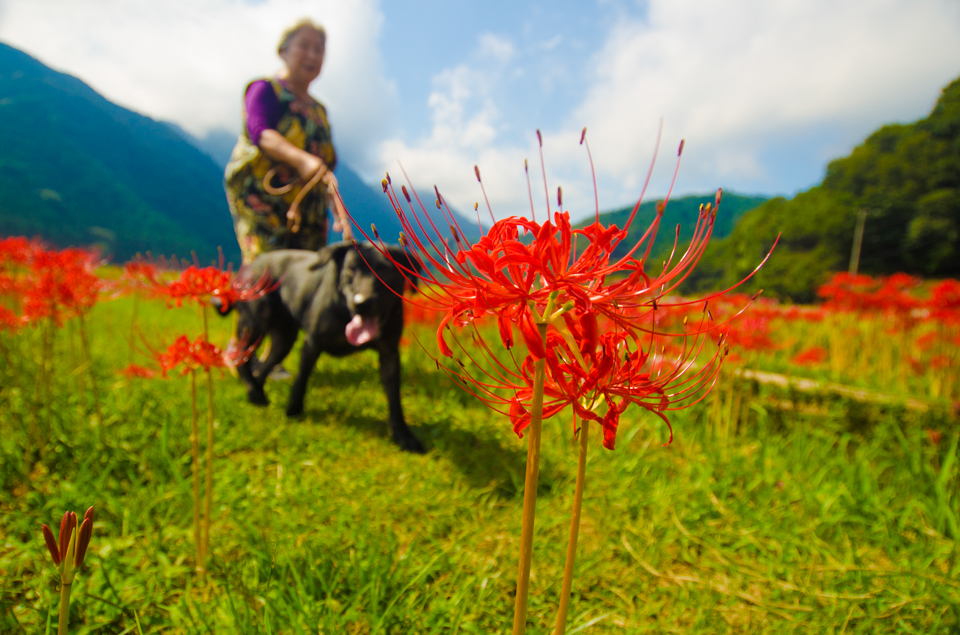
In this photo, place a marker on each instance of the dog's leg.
(309, 354)
(390, 378)
(247, 331)
(281, 343)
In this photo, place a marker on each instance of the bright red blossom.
(136, 371)
(526, 274)
(810, 356)
(196, 355)
(60, 285)
(200, 284)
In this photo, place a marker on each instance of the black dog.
(342, 306)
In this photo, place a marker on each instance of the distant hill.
(907, 177)
(76, 169)
(678, 211)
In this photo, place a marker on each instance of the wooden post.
(857, 241)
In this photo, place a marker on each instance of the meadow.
(814, 491)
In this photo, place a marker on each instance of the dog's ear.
(335, 252)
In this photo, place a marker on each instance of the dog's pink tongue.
(360, 331)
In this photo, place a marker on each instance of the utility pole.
(857, 241)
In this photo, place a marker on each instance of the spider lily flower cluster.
(590, 320)
(202, 286)
(195, 284)
(604, 347)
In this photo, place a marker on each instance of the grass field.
(810, 514)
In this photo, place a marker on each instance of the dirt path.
(814, 386)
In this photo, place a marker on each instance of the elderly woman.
(285, 131)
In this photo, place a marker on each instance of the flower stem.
(88, 368)
(208, 481)
(64, 609)
(574, 532)
(195, 438)
(530, 492)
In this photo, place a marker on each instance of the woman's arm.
(276, 146)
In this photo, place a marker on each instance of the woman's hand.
(341, 221)
(276, 146)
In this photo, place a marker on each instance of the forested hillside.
(906, 177)
(78, 170)
(680, 211)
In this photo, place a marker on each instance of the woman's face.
(304, 56)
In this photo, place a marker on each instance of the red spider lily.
(199, 354)
(196, 284)
(863, 294)
(238, 352)
(244, 289)
(503, 276)
(560, 271)
(938, 362)
(926, 341)
(140, 274)
(199, 284)
(136, 371)
(60, 284)
(69, 552)
(749, 333)
(810, 356)
(598, 376)
(561, 296)
(17, 250)
(944, 303)
(9, 321)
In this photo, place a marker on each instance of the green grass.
(831, 518)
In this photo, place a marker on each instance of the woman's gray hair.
(302, 23)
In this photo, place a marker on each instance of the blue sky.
(765, 92)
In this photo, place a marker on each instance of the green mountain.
(678, 211)
(906, 177)
(76, 169)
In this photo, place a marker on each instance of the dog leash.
(293, 214)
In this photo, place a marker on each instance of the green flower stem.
(530, 491)
(133, 326)
(208, 481)
(64, 608)
(574, 532)
(88, 368)
(195, 438)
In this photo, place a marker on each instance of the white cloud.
(764, 91)
(760, 89)
(733, 79)
(466, 131)
(188, 60)
(496, 47)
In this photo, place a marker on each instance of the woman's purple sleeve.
(263, 109)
